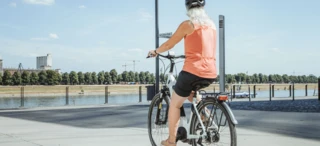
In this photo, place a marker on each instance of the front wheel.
(218, 125)
(158, 119)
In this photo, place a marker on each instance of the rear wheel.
(158, 129)
(218, 125)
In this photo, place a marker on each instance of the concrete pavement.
(107, 125)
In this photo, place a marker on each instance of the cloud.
(13, 4)
(53, 36)
(277, 50)
(82, 7)
(40, 2)
(144, 15)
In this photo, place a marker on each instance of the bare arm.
(184, 28)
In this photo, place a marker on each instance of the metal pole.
(306, 90)
(254, 91)
(293, 91)
(106, 95)
(319, 89)
(157, 45)
(221, 53)
(249, 93)
(270, 91)
(22, 96)
(67, 95)
(140, 95)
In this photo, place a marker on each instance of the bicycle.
(209, 132)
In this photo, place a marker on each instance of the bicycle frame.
(184, 122)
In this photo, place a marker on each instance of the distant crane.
(20, 68)
(134, 64)
(125, 66)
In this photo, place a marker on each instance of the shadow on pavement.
(302, 125)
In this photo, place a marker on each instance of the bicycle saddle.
(197, 85)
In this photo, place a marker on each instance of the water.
(51, 101)
(30, 102)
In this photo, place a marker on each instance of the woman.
(199, 33)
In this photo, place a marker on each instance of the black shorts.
(183, 85)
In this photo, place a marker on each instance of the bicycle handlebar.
(171, 56)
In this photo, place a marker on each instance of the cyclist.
(199, 33)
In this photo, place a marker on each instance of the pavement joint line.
(19, 138)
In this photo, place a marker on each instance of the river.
(7, 103)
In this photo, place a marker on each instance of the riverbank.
(72, 90)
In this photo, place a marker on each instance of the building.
(44, 62)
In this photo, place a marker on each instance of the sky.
(269, 37)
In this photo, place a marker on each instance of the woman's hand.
(152, 53)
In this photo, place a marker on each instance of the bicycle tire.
(153, 103)
(232, 127)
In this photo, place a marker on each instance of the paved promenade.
(126, 125)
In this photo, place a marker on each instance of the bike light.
(223, 97)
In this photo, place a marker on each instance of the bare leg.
(190, 98)
(174, 118)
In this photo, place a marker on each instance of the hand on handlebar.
(152, 53)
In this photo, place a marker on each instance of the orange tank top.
(200, 52)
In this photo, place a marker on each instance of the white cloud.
(53, 36)
(13, 4)
(82, 7)
(40, 2)
(144, 15)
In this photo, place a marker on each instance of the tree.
(107, 78)
(81, 78)
(125, 76)
(65, 78)
(25, 78)
(88, 78)
(131, 76)
(16, 78)
(101, 77)
(52, 77)
(42, 77)
(148, 77)
(34, 78)
(142, 77)
(7, 79)
(137, 78)
(114, 75)
(94, 78)
(73, 78)
(119, 78)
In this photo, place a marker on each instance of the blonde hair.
(199, 16)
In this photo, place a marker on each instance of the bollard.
(140, 94)
(214, 89)
(254, 91)
(249, 93)
(106, 95)
(293, 91)
(319, 89)
(67, 95)
(289, 90)
(272, 90)
(234, 91)
(306, 90)
(22, 96)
